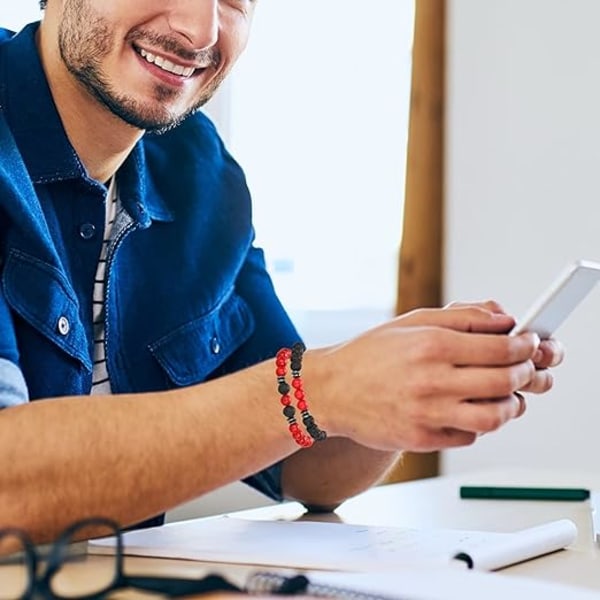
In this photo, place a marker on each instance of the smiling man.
(150, 68)
(147, 75)
(138, 325)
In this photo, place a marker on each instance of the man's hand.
(431, 379)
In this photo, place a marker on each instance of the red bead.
(284, 354)
(294, 427)
(286, 400)
(280, 362)
(299, 395)
(302, 405)
(297, 383)
(280, 371)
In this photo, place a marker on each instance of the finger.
(438, 439)
(476, 318)
(453, 438)
(485, 416)
(462, 349)
(483, 383)
(490, 305)
(522, 404)
(541, 382)
(461, 318)
(550, 353)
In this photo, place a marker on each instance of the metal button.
(87, 231)
(63, 326)
(215, 346)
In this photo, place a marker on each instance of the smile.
(166, 65)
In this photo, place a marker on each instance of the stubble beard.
(84, 40)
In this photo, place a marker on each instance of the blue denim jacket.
(187, 294)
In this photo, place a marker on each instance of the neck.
(101, 139)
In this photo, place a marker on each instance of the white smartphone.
(560, 299)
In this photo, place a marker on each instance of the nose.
(196, 20)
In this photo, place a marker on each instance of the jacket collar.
(33, 118)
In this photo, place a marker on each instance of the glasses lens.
(79, 574)
(15, 567)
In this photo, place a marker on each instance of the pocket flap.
(41, 294)
(191, 352)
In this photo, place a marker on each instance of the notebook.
(339, 546)
(414, 584)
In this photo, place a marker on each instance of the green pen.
(523, 493)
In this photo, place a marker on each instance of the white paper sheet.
(337, 546)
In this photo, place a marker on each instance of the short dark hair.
(43, 4)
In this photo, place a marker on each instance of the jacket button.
(63, 326)
(87, 231)
(215, 346)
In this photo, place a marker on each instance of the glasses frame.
(40, 585)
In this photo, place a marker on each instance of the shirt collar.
(137, 194)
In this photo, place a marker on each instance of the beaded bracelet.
(283, 387)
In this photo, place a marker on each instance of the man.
(134, 304)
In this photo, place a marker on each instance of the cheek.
(234, 31)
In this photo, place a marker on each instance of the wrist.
(320, 385)
(301, 423)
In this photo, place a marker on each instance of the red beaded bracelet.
(289, 412)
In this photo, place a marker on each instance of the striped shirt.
(100, 379)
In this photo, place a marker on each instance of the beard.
(85, 40)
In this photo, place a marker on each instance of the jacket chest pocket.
(41, 295)
(191, 352)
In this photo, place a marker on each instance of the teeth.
(167, 65)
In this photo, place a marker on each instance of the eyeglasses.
(63, 576)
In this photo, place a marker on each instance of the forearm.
(326, 474)
(394, 388)
(130, 457)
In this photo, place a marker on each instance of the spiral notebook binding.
(264, 582)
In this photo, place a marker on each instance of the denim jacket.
(187, 295)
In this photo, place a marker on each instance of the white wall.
(523, 193)
(14, 15)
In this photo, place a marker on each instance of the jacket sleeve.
(273, 329)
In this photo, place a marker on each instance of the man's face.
(152, 62)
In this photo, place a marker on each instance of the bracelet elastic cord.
(315, 434)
